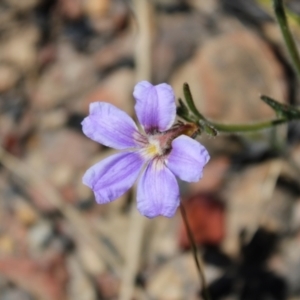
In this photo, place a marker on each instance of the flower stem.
(288, 38)
(198, 260)
(247, 127)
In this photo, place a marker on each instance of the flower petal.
(187, 158)
(158, 192)
(110, 126)
(155, 106)
(113, 176)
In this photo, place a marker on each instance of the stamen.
(152, 149)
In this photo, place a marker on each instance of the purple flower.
(160, 151)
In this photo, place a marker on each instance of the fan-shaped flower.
(159, 151)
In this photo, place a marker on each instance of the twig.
(142, 12)
(134, 244)
(143, 49)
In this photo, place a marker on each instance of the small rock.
(178, 279)
(120, 49)
(7, 244)
(70, 9)
(24, 5)
(8, 77)
(107, 17)
(38, 235)
(64, 80)
(175, 41)
(295, 155)
(208, 7)
(206, 215)
(15, 294)
(20, 49)
(116, 89)
(61, 175)
(252, 200)
(162, 240)
(82, 191)
(45, 282)
(67, 147)
(7, 127)
(25, 213)
(168, 2)
(228, 74)
(96, 8)
(213, 176)
(109, 285)
(295, 222)
(291, 263)
(52, 119)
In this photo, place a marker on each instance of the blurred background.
(56, 243)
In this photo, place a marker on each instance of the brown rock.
(43, 283)
(70, 9)
(176, 280)
(253, 200)
(228, 74)
(213, 176)
(162, 240)
(122, 47)
(109, 285)
(6, 244)
(62, 175)
(24, 5)
(175, 41)
(168, 2)
(53, 119)
(96, 8)
(290, 266)
(58, 156)
(206, 215)
(25, 212)
(8, 77)
(70, 75)
(67, 147)
(208, 7)
(116, 89)
(20, 50)
(295, 155)
(107, 17)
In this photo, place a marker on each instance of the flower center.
(159, 144)
(153, 148)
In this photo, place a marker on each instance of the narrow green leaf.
(282, 110)
(190, 101)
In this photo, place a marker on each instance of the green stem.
(198, 261)
(288, 38)
(247, 127)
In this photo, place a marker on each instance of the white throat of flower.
(153, 148)
(159, 144)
